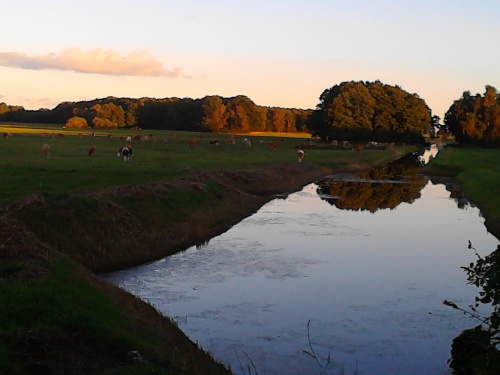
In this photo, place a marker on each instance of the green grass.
(58, 306)
(478, 171)
(63, 317)
(25, 171)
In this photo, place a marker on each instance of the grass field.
(25, 170)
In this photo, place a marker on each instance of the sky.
(279, 53)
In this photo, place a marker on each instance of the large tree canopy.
(364, 111)
(476, 119)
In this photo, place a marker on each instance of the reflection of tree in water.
(383, 187)
(456, 192)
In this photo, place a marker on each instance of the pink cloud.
(96, 61)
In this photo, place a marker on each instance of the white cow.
(300, 155)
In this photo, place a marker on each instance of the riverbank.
(477, 172)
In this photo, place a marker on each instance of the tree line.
(475, 119)
(352, 111)
(209, 114)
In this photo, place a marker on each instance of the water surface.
(371, 282)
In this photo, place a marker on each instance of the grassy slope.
(478, 171)
(55, 315)
(57, 318)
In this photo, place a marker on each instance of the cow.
(46, 151)
(300, 155)
(357, 147)
(91, 151)
(7, 135)
(247, 141)
(191, 142)
(214, 142)
(128, 139)
(272, 145)
(125, 152)
(231, 141)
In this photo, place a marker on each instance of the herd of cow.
(126, 151)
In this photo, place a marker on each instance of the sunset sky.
(276, 52)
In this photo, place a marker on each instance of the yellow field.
(284, 135)
(56, 129)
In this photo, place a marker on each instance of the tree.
(108, 114)
(362, 111)
(476, 119)
(214, 114)
(76, 122)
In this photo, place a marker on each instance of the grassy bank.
(68, 216)
(478, 172)
(58, 318)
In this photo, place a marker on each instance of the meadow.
(69, 169)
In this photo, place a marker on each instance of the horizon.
(278, 54)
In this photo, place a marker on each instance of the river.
(348, 274)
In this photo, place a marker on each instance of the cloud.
(96, 61)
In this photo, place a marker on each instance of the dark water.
(366, 261)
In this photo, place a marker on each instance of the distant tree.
(214, 114)
(103, 123)
(108, 115)
(239, 108)
(278, 120)
(4, 108)
(362, 111)
(476, 119)
(76, 122)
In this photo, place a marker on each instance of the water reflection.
(381, 188)
(371, 282)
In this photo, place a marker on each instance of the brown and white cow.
(125, 152)
(300, 155)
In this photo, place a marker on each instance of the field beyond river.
(68, 216)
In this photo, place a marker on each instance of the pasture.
(25, 170)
